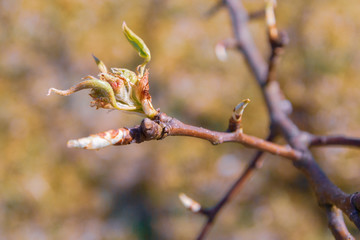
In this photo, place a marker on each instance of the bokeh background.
(48, 191)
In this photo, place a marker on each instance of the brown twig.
(334, 140)
(277, 48)
(174, 127)
(242, 35)
(336, 223)
(222, 47)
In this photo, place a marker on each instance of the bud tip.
(49, 91)
(189, 203)
(73, 144)
(95, 58)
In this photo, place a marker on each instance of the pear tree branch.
(336, 223)
(126, 90)
(334, 140)
(163, 126)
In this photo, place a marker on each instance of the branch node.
(151, 129)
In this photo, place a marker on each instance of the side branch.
(239, 18)
(174, 127)
(335, 140)
(336, 223)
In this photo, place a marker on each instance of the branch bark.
(334, 140)
(336, 224)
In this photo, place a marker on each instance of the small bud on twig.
(189, 203)
(220, 51)
(222, 46)
(239, 109)
(270, 19)
(235, 120)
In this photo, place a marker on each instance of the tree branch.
(239, 18)
(336, 224)
(334, 140)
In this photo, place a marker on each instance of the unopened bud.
(100, 64)
(220, 52)
(239, 109)
(270, 18)
(189, 203)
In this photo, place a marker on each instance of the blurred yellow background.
(48, 191)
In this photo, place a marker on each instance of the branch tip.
(49, 91)
(59, 92)
(189, 203)
(220, 52)
(100, 64)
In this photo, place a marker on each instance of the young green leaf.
(137, 43)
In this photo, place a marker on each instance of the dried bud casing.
(96, 141)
